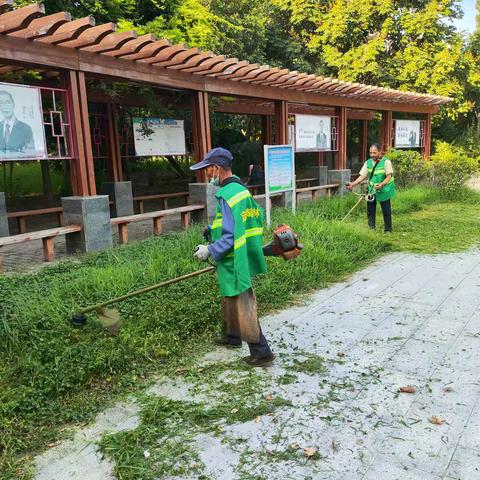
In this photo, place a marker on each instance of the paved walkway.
(406, 320)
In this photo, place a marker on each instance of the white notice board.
(157, 136)
(313, 133)
(407, 134)
(279, 173)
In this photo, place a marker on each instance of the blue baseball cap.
(217, 156)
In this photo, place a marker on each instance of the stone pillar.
(283, 201)
(339, 176)
(319, 172)
(93, 213)
(120, 194)
(203, 193)
(4, 231)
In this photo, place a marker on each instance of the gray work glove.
(201, 253)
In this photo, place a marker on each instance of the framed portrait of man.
(313, 133)
(22, 134)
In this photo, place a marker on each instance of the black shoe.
(223, 342)
(259, 362)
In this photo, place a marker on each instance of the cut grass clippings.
(52, 375)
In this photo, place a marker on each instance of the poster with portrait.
(22, 135)
(313, 133)
(407, 134)
(158, 136)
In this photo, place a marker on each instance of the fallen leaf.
(257, 419)
(408, 389)
(359, 441)
(309, 451)
(269, 397)
(181, 370)
(234, 410)
(436, 420)
(294, 446)
(341, 354)
(54, 444)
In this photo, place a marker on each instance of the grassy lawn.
(52, 375)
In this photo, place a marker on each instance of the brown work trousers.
(239, 317)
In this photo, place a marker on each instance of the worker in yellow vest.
(236, 233)
(381, 186)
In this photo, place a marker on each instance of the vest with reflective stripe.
(387, 191)
(235, 269)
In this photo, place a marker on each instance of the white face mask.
(215, 180)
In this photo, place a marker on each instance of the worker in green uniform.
(381, 186)
(236, 235)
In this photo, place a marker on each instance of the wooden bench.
(308, 181)
(46, 236)
(23, 215)
(319, 188)
(254, 188)
(157, 216)
(161, 196)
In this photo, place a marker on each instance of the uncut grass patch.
(52, 374)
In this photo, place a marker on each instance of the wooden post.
(363, 143)
(202, 142)
(79, 167)
(267, 130)
(427, 140)
(319, 158)
(157, 226)
(115, 162)
(386, 130)
(281, 122)
(123, 233)
(341, 155)
(82, 88)
(48, 249)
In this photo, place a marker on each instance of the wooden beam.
(363, 141)
(201, 130)
(82, 88)
(68, 31)
(134, 46)
(427, 141)
(386, 130)
(20, 18)
(267, 130)
(20, 50)
(113, 151)
(341, 155)
(79, 172)
(90, 36)
(281, 122)
(43, 26)
(5, 5)
(112, 42)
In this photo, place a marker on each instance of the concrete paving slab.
(405, 320)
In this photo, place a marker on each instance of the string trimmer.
(285, 243)
(110, 317)
(369, 197)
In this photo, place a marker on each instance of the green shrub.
(451, 167)
(409, 167)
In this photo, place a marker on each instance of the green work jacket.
(246, 259)
(387, 191)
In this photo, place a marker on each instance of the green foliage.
(410, 168)
(452, 167)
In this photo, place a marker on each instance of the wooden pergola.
(79, 48)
